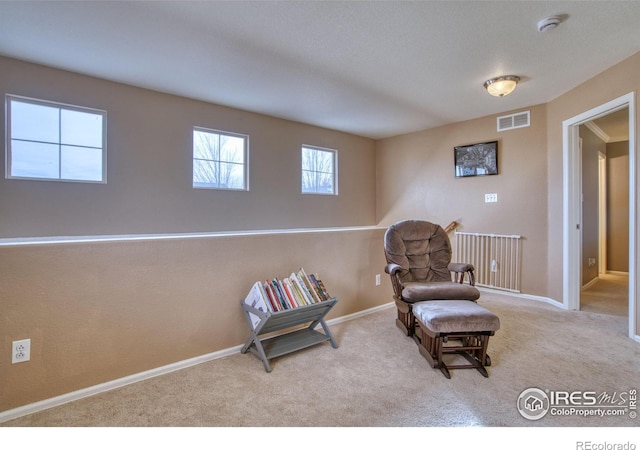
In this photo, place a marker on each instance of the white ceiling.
(373, 68)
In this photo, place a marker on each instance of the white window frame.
(61, 106)
(245, 162)
(334, 169)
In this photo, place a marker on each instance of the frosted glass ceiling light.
(501, 86)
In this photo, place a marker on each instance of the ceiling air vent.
(517, 120)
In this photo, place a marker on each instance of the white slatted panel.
(496, 259)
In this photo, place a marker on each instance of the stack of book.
(298, 289)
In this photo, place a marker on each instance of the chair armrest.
(461, 267)
(459, 270)
(394, 271)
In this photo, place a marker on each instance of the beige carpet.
(609, 295)
(376, 378)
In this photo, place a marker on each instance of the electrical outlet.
(378, 280)
(21, 351)
(592, 262)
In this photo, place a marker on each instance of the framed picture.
(476, 159)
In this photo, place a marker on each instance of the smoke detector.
(548, 24)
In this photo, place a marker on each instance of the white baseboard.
(617, 272)
(361, 313)
(113, 384)
(537, 298)
(590, 283)
(135, 378)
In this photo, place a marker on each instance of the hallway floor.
(610, 295)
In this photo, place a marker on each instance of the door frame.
(602, 213)
(572, 199)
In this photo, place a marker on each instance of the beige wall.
(415, 177)
(592, 145)
(100, 311)
(96, 312)
(618, 80)
(416, 180)
(618, 206)
(149, 167)
(179, 298)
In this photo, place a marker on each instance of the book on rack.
(286, 294)
(290, 291)
(300, 289)
(272, 297)
(266, 297)
(282, 294)
(321, 289)
(313, 288)
(257, 301)
(295, 282)
(278, 293)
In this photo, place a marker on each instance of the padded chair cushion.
(451, 316)
(421, 248)
(443, 290)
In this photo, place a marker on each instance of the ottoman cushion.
(451, 316)
(438, 290)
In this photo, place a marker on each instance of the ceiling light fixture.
(501, 86)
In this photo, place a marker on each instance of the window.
(219, 159)
(319, 169)
(52, 141)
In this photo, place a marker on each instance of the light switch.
(490, 198)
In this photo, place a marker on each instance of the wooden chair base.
(405, 321)
(470, 345)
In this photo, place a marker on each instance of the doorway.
(572, 205)
(605, 214)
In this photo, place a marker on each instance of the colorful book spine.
(323, 295)
(291, 291)
(311, 286)
(297, 290)
(305, 284)
(266, 297)
(272, 296)
(322, 288)
(288, 293)
(303, 290)
(281, 296)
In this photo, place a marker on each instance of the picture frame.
(476, 159)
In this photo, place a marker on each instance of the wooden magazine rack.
(296, 339)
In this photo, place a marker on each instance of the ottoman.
(464, 325)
